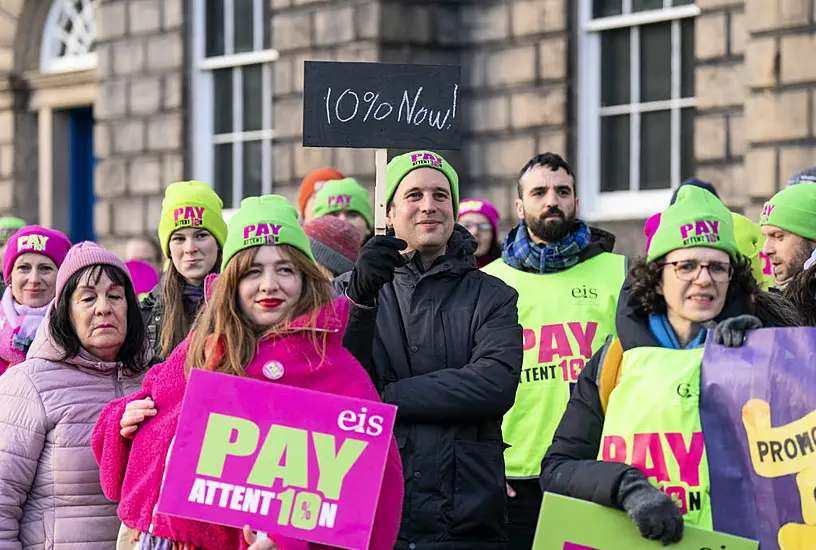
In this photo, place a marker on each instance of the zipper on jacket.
(117, 383)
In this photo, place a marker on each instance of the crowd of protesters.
(502, 354)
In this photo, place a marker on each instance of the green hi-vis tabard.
(566, 317)
(653, 423)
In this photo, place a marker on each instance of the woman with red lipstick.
(271, 317)
(192, 232)
(30, 264)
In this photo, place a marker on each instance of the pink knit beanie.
(483, 207)
(649, 229)
(82, 255)
(144, 277)
(33, 238)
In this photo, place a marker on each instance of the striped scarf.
(519, 252)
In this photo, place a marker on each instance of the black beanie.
(697, 183)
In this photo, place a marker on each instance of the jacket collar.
(329, 318)
(457, 259)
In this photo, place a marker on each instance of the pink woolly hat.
(650, 228)
(144, 276)
(82, 255)
(34, 238)
(484, 207)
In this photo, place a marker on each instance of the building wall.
(755, 89)
(139, 133)
(10, 200)
(337, 30)
(516, 93)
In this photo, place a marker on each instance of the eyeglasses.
(470, 226)
(689, 270)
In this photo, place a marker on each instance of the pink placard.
(573, 546)
(285, 460)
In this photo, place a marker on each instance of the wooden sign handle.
(380, 163)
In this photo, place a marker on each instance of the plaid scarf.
(519, 252)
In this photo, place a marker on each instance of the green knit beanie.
(401, 166)
(261, 221)
(191, 204)
(9, 226)
(697, 218)
(749, 243)
(793, 209)
(345, 194)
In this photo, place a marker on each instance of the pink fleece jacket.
(131, 471)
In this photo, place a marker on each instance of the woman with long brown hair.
(271, 317)
(192, 232)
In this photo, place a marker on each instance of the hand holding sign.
(375, 267)
(563, 521)
(257, 543)
(135, 413)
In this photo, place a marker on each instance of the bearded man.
(568, 283)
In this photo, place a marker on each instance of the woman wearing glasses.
(482, 220)
(631, 436)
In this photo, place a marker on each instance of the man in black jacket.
(442, 342)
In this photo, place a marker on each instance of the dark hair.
(645, 278)
(696, 182)
(133, 351)
(801, 291)
(772, 309)
(553, 161)
(176, 324)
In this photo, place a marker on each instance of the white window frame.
(80, 56)
(203, 91)
(632, 204)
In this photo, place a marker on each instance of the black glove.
(375, 267)
(731, 332)
(655, 513)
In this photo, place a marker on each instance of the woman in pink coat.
(271, 317)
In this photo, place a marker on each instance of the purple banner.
(757, 404)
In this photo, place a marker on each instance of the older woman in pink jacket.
(90, 350)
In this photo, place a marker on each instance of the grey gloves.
(731, 332)
(654, 513)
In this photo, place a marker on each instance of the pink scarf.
(18, 326)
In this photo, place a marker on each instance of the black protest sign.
(381, 105)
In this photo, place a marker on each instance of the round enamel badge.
(273, 370)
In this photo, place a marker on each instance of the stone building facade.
(637, 94)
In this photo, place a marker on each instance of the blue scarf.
(663, 331)
(519, 252)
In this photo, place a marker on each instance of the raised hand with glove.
(731, 332)
(654, 513)
(374, 268)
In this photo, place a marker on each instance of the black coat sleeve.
(483, 388)
(146, 307)
(358, 338)
(570, 466)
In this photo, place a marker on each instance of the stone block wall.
(721, 89)
(515, 92)
(779, 106)
(139, 140)
(10, 13)
(316, 30)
